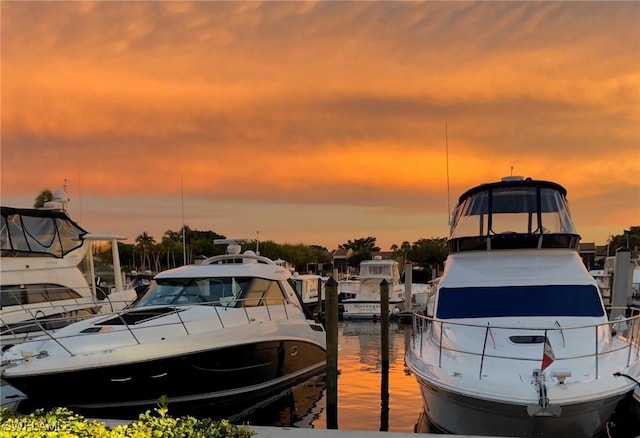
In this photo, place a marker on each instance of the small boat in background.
(364, 301)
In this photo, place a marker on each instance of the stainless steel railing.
(253, 310)
(425, 326)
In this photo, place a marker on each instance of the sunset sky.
(317, 122)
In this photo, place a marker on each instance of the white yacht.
(364, 301)
(519, 343)
(53, 272)
(227, 330)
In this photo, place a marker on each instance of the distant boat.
(364, 300)
(520, 343)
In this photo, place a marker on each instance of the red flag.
(547, 356)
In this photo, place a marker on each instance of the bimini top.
(514, 213)
(35, 232)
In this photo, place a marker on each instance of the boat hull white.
(357, 309)
(459, 414)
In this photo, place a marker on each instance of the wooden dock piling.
(384, 349)
(331, 329)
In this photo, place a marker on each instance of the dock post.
(408, 283)
(622, 280)
(319, 303)
(384, 349)
(331, 329)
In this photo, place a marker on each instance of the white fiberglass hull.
(354, 309)
(464, 415)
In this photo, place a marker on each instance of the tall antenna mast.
(446, 139)
(184, 246)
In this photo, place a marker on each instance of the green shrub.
(63, 423)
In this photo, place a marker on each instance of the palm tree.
(146, 243)
(169, 243)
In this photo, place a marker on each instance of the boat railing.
(40, 317)
(626, 328)
(131, 319)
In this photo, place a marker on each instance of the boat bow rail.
(141, 324)
(619, 337)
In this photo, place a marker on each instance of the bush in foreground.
(63, 423)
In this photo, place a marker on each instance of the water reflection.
(359, 387)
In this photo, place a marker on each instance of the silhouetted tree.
(43, 197)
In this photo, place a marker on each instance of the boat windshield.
(508, 210)
(379, 270)
(25, 232)
(225, 291)
(519, 301)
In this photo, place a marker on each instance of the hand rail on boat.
(423, 326)
(40, 320)
(131, 327)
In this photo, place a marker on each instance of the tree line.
(148, 254)
(428, 254)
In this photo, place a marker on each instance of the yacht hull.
(218, 375)
(361, 309)
(463, 415)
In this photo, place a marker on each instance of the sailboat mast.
(446, 139)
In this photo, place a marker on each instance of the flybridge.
(513, 213)
(30, 231)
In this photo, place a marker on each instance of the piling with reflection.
(384, 349)
(319, 302)
(331, 329)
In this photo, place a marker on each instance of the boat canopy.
(513, 213)
(34, 232)
(519, 301)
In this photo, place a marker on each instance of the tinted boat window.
(493, 302)
(12, 295)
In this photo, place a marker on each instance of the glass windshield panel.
(378, 270)
(225, 291)
(512, 210)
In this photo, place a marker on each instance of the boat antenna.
(79, 185)
(184, 246)
(446, 139)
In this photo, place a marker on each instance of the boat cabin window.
(379, 271)
(14, 295)
(519, 301)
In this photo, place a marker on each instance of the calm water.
(359, 382)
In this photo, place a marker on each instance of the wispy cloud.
(322, 103)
